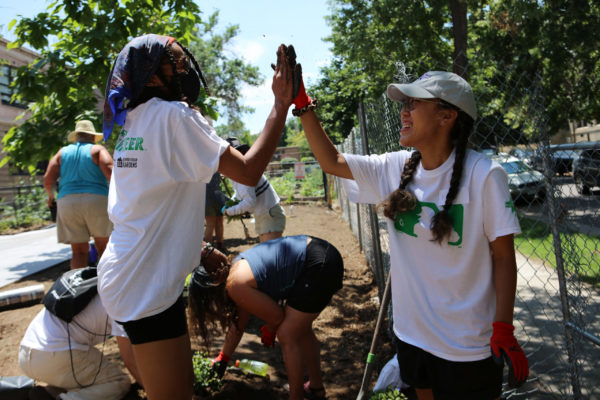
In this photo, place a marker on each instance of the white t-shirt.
(165, 155)
(257, 199)
(47, 332)
(443, 296)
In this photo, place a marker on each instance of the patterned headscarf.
(133, 68)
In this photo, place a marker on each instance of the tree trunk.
(459, 31)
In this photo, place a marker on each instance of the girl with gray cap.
(450, 223)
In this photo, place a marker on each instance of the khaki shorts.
(273, 221)
(80, 216)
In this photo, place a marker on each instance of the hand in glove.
(301, 99)
(219, 364)
(267, 337)
(506, 348)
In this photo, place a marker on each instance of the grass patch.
(581, 253)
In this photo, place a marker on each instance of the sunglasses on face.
(410, 103)
(182, 64)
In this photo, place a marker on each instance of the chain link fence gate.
(557, 309)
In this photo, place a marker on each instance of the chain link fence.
(557, 310)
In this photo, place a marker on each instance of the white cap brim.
(402, 91)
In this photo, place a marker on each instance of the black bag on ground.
(72, 292)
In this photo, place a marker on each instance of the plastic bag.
(389, 376)
(15, 387)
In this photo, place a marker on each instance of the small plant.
(27, 209)
(390, 393)
(285, 185)
(206, 381)
(313, 184)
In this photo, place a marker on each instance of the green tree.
(295, 136)
(555, 39)
(224, 74)
(368, 39)
(78, 41)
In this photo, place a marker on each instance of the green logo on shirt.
(407, 221)
(511, 205)
(125, 143)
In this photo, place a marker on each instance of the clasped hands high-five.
(288, 85)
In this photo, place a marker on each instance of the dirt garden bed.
(344, 329)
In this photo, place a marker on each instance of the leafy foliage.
(224, 75)
(285, 185)
(206, 381)
(555, 39)
(78, 41)
(312, 186)
(28, 209)
(389, 394)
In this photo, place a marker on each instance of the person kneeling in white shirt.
(63, 355)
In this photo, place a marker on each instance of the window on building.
(7, 75)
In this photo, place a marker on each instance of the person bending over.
(261, 200)
(303, 271)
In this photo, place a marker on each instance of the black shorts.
(471, 380)
(168, 324)
(321, 278)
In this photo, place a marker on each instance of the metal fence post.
(373, 220)
(554, 212)
(358, 224)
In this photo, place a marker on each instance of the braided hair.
(403, 200)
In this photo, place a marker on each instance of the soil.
(344, 328)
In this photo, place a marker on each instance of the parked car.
(561, 158)
(586, 169)
(562, 161)
(522, 154)
(525, 184)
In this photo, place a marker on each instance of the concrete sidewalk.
(26, 253)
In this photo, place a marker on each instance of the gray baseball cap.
(437, 85)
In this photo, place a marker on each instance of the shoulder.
(391, 159)
(481, 167)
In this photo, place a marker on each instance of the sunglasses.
(410, 103)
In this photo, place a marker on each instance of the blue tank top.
(276, 264)
(79, 173)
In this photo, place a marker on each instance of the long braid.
(197, 66)
(179, 94)
(441, 224)
(402, 200)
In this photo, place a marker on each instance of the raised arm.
(247, 169)
(331, 161)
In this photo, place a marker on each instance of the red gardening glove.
(302, 99)
(506, 348)
(267, 337)
(219, 364)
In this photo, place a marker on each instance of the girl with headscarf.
(165, 154)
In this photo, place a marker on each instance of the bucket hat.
(442, 85)
(84, 126)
